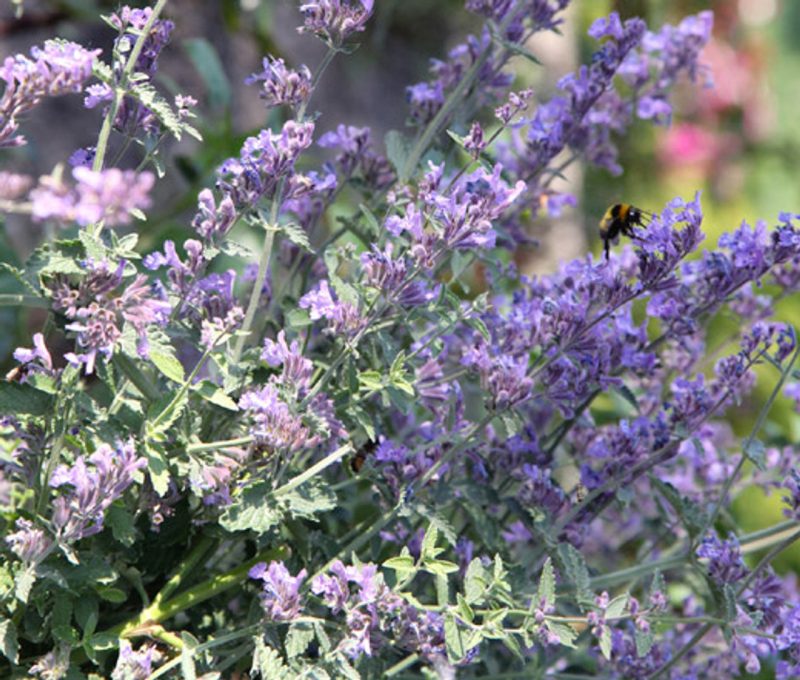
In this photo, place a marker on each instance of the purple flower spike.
(335, 20)
(281, 591)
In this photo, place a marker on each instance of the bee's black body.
(621, 218)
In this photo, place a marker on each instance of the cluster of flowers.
(477, 417)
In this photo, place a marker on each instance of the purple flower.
(136, 665)
(281, 85)
(474, 142)
(344, 317)
(335, 20)
(97, 310)
(725, 564)
(274, 424)
(111, 196)
(38, 359)
(280, 596)
(29, 543)
(265, 161)
(516, 103)
(58, 68)
(297, 370)
(131, 23)
(212, 221)
(88, 490)
(356, 157)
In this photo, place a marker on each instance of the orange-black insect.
(621, 218)
(360, 456)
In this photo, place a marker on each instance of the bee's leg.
(607, 247)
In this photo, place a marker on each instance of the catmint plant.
(371, 447)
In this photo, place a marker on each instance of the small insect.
(621, 218)
(360, 456)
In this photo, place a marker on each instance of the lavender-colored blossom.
(474, 142)
(215, 329)
(111, 196)
(58, 68)
(29, 543)
(516, 103)
(343, 317)
(37, 360)
(265, 161)
(725, 564)
(356, 156)
(274, 424)
(97, 310)
(280, 596)
(297, 369)
(54, 665)
(335, 20)
(282, 85)
(136, 664)
(131, 23)
(660, 60)
(213, 221)
(89, 489)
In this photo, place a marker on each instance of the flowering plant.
(340, 459)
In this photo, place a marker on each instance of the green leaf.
(547, 584)
(188, 670)
(691, 515)
(565, 633)
(207, 63)
(297, 235)
(110, 594)
(370, 381)
(475, 581)
(253, 510)
(429, 550)
(310, 499)
(401, 563)
(625, 392)
(617, 606)
(158, 468)
(454, 640)
(755, 451)
(9, 646)
(121, 523)
(575, 571)
(374, 226)
(214, 394)
(268, 663)
(23, 582)
(463, 609)
(397, 149)
(19, 399)
(605, 642)
(440, 567)
(298, 318)
(298, 639)
(644, 642)
(168, 365)
(146, 94)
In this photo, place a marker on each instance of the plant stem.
(119, 91)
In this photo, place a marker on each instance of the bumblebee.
(621, 218)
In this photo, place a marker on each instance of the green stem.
(223, 444)
(119, 91)
(161, 611)
(22, 300)
(318, 467)
(762, 415)
(258, 286)
(133, 373)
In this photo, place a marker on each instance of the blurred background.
(738, 142)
